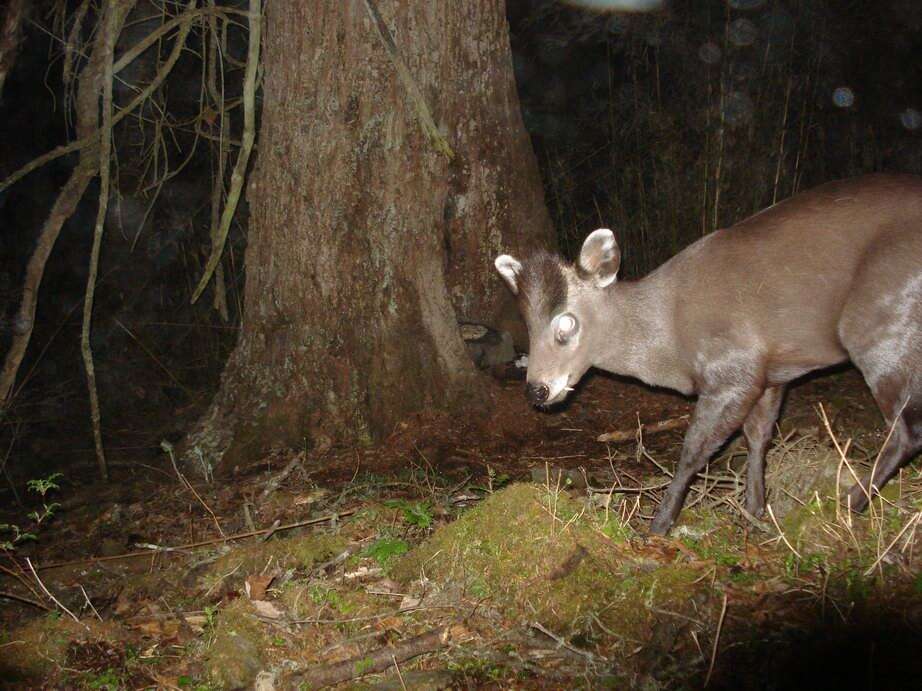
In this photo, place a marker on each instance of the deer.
(826, 276)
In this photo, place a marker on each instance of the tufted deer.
(828, 275)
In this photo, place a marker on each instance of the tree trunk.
(366, 243)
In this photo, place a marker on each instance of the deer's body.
(829, 275)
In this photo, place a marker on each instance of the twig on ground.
(781, 532)
(653, 428)
(375, 661)
(276, 480)
(89, 602)
(910, 523)
(19, 598)
(166, 446)
(271, 531)
(403, 684)
(720, 624)
(48, 592)
(563, 642)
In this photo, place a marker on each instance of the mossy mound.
(538, 556)
(234, 656)
(41, 647)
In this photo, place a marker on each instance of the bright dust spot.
(843, 97)
(709, 53)
(743, 32)
(911, 119)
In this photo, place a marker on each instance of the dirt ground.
(508, 550)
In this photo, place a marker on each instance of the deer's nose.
(536, 394)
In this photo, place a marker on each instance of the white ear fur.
(601, 257)
(509, 268)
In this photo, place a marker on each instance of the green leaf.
(386, 548)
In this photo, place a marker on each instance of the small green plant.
(363, 666)
(415, 513)
(616, 530)
(476, 669)
(321, 595)
(17, 537)
(211, 613)
(41, 486)
(108, 679)
(187, 682)
(857, 586)
(495, 481)
(478, 588)
(385, 549)
(811, 562)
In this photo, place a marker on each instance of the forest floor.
(455, 555)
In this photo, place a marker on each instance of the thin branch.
(90, 138)
(243, 156)
(423, 112)
(72, 192)
(112, 24)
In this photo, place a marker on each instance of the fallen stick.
(203, 543)
(372, 662)
(654, 428)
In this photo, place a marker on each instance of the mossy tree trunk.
(366, 243)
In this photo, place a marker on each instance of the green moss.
(234, 657)
(300, 552)
(538, 555)
(39, 648)
(712, 538)
(803, 522)
(329, 602)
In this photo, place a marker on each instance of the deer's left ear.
(600, 257)
(509, 268)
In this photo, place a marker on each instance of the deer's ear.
(600, 257)
(509, 268)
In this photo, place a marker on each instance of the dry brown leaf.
(266, 609)
(256, 586)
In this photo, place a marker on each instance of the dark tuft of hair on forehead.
(542, 285)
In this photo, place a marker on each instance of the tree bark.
(11, 23)
(367, 243)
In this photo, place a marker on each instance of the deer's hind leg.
(881, 327)
(757, 429)
(900, 400)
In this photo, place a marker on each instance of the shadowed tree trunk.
(368, 239)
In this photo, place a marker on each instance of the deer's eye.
(566, 328)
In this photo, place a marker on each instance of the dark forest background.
(662, 126)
